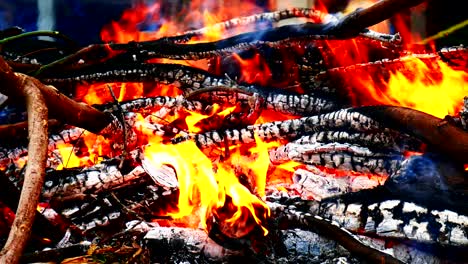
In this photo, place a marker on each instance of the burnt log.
(441, 135)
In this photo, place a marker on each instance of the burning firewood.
(250, 147)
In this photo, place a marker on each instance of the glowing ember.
(194, 118)
(69, 158)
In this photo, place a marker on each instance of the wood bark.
(35, 171)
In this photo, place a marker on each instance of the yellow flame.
(203, 188)
(437, 96)
(69, 159)
(195, 117)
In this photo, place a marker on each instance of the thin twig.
(444, 33)
(122, 122)
(54, 34)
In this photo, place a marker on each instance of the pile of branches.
(325, 122)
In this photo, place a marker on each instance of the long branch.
(35, 172)
(349, 26)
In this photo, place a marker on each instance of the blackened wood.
(55, 255)
(439, 134)
(316, 224)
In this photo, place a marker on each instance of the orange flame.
(197, 14)
(69, 158)
(100, 93)
(425, 84)
(203, 189)
(432, 87)
(254, 70)
(436, 95)
(194, 118)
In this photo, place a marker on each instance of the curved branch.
(438, 133)
(54, 34)
(286, 217)
(35, 172)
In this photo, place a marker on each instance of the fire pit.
(323, 141)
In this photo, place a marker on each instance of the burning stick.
(345, 118)
(376, 140)
(92, 180)
(341, 156)
(442, 135)
(315, 15)
(292, 218)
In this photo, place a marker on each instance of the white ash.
(402, 252)
(314, 183)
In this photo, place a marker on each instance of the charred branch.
(381, 141)
(55, 255)
(439, 134)
(380, 11)
(289, 129)
(339, 156)
(292, 219)
(315, 16)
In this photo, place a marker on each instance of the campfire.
(239, 140)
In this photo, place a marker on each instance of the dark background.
(82, 20)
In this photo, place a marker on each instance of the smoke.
(46, 15)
